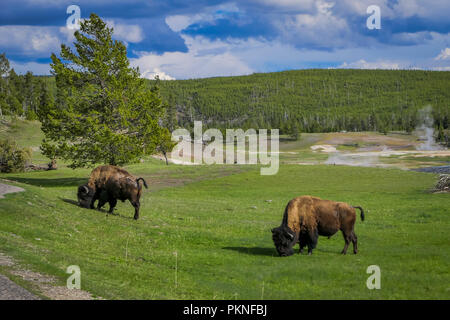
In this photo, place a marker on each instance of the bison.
(306, 218)
(108, 184)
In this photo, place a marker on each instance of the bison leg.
(302, 245)
(347, 237)
(312, 243)
(136, 206)
(100, 204)
(93, 200)
(112, 204)
(355, 243)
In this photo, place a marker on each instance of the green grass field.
(204, 233)
(203, 239)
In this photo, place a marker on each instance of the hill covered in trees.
(313, 100)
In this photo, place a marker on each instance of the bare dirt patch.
(371, 140)
(44, 284)
(6, 188)
(168, 179)
(323, 147)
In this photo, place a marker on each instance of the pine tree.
(166, 144)
(104, 112)
(4, 72)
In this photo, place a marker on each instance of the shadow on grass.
(75, 203)
(287, 139)
(256, 251)
(42, 182)
(102, 210)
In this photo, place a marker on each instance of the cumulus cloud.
(29, 40)
(182, 65)
(422, 8)
(440, 68)
(444, 55)
(156, 72)
(204, 59)
(322, 29)
(363, 64)
(126, 32)
(182, 39)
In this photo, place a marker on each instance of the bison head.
(284, 239)
(85, 195)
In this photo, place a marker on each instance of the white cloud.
(288, 5)
(29, 40)
(178, 23)
(363, 64)
(210, 14)
(436, 9)
(444, 55)
(204, 58)
(127, 32)
(152, 73)
(182, 65)
(441, 68)
(319, 29)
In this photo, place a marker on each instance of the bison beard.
(109, 184)
(306, 218)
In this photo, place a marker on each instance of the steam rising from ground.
(363, 159)
(352, 160)
(425, 130)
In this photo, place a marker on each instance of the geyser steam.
(425, 130)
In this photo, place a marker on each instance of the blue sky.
(184, 39)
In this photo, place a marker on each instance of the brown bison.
(109, 184)
(306, 218)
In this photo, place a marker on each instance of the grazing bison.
(109, 184)
(306, 218)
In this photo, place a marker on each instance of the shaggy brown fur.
(307, 217)
(108, 184)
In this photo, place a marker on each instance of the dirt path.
(11, 291)
(44, 284)
(6, 188)
(8, 289)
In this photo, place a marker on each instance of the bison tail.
(145, 183)
(362, 211)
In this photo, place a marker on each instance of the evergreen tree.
(4, 73)
(15, 93)
(166, 144)
(104, 112)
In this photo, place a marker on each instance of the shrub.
(12, 157)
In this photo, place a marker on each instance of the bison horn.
(290, 235)
(86, 190)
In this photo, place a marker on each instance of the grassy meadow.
(204, 233)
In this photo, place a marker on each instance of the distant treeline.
(25, 95)
(313, 100)
(292, 101)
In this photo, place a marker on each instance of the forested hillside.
(313, 100)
